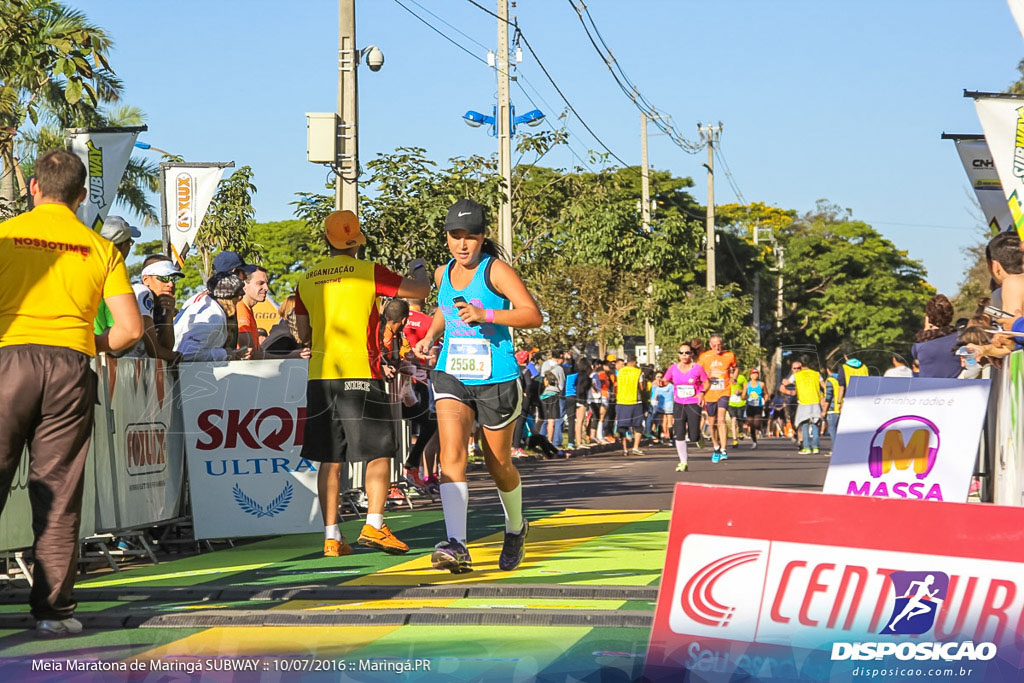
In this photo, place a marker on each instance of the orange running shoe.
(382, 539)
(334, 548)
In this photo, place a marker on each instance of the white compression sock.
(332, 533)
(455, 503)
(512, 503)
(681, 450)
(375, 520)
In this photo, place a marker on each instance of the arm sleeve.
(386, 281)
(300, 307)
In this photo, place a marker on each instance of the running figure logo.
(919, 595)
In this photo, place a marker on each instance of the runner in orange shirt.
(717, 363)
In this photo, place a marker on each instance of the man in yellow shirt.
(629, 413)
(55, 273)
(348, 411)
(809, 388)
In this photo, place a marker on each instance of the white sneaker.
(52, 628)
(753, 445)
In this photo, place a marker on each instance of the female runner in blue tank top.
(476, 379)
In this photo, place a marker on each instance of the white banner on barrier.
(908, 438)
(1008, 449)
(243, 424)
(146, 467)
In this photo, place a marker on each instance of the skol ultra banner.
(1002, 119)
(798, 586)
(105, 153)
(981, 171)
(243, 426)
(188, 189)
(908, 438)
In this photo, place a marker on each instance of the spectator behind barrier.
(155, 298)
(283, 339)
(935, 343)
(116, 231)
(205, 328)
(1003, 255)
(257, 284)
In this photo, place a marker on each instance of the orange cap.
(342, 230)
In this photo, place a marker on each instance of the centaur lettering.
(184, 194)
(95, 174)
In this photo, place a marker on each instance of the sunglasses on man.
(166, 278)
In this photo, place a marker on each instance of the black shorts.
(349, 420)
(496, 405)
(755, 411)
(629, 416)
(739, 412)
(719, 406)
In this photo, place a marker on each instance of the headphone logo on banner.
(919, 595)
(698, 600)
(890, 449)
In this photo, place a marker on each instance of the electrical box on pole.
(322, 138)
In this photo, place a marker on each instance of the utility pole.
(645, 218)
(346, 189)
(504, 131)
(710, 133)
(757, 289)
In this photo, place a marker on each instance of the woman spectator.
(206, 328)
(283, 339)
(583, 384)
(936, 343)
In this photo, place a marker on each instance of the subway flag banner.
(908, 437)
(188, 189)
(1002, 119)
(105, 153)
(786, 585)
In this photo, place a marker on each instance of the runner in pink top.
(689, 382)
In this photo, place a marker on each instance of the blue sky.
(836, 100)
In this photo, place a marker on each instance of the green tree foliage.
(228, 222)
(50, 56)
(699, 313)
(847, 287)
(289, 249)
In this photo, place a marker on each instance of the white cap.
(161, 268)
(117, 230)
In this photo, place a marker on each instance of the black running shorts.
(348, 420)
(496, 405)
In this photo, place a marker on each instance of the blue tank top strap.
(479, 292)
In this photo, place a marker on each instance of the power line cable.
(565, 99)
(454, 28)
(442, 34)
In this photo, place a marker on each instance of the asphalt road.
(610, 481)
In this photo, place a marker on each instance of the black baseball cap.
(467, 215)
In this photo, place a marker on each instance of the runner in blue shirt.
(480, 297)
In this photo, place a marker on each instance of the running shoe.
(53, 628)
(570, 446)
(625, 454)
(735, 443)
(334, 548)
(716, 456)
(753, 445)
(395, 494)
(451, 555)
(805, 451)
(609, 439)
(637, 451)
(724, 455)
(412, 478)
(814, 451)
(512, 549)
(681, 467)
(700, 443)
(382, 539)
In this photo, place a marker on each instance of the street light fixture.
(534, 117)
(146, 145)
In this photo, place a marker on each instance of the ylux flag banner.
(188, 189)
(105, 153)
(1002, 119)
(981, 171)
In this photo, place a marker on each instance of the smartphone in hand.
(462, 300)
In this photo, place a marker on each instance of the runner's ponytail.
(494, 250)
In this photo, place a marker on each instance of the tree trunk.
(7, 193)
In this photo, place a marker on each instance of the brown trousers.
(47, 401)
